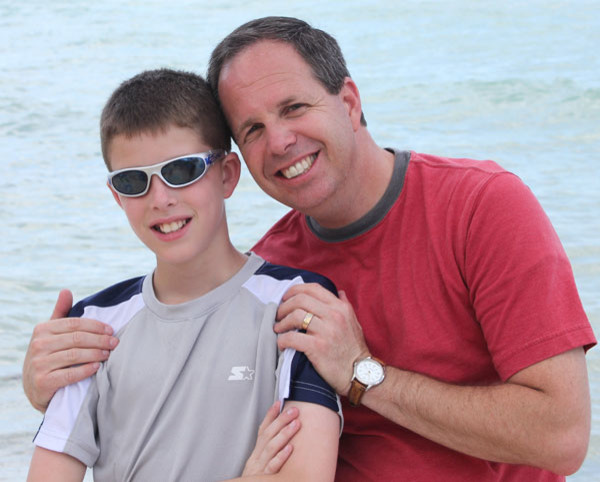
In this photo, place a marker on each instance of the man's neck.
(363, 189)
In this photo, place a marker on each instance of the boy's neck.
(174, 284)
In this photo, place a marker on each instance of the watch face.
(369, 372)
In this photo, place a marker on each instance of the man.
(453, 283)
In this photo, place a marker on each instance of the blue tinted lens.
(184, 170)
(130, 182)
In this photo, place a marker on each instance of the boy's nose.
(160, 194)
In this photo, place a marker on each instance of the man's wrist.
(368, 372)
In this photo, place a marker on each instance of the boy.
(197, 365)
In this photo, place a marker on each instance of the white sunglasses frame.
(208, 157)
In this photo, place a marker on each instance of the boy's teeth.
(300, 167)
(167, 228)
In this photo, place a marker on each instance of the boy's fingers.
(278, 447)
(275, 464)
(269, 417)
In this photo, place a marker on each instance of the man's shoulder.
(282, 237)
(288, 223)
(455, 177)
(484, 166)
(113, 295)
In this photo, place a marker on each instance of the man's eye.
(251, 130)
(295, 108)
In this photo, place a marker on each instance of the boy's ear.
(231, 169)
(115, 195)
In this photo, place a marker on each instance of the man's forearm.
(540, 417)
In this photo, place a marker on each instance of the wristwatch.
(368, 373)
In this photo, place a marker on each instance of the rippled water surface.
(517, 82)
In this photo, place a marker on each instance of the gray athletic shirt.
(183, 394)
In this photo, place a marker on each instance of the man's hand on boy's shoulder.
(63, 351)
(334, 338)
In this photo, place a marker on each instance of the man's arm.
(314, 456)
(539, 417)
(63, 351)
(48, 466)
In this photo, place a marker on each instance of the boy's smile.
(170, 227)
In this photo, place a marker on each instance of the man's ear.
(351, 98)
(231, 170)
(115, 195)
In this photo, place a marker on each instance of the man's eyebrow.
(287, 101)
(250, 121)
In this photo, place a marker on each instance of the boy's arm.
(49, 466)
(315, 447)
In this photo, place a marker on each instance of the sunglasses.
(179, 172)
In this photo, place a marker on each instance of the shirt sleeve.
(69, 425)
(521, 282)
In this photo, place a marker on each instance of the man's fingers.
(63, 304)
(296, 340)
(75, 356)
(59, 344)
(71, 325)
(67, 376)
(311, 289)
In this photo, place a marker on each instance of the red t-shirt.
(465, 280)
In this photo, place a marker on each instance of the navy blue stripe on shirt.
(111, 296)
(307, 385)
(285, 272)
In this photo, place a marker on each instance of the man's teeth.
(300, 167)
(167, 228)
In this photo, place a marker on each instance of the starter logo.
(241, 373)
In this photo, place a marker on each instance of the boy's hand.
(58, 345)
(272, 447)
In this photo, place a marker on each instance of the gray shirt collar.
(375, 215)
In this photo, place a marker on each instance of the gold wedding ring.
(307, 319)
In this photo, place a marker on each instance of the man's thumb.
(63, 304)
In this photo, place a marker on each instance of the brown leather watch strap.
(357, 390)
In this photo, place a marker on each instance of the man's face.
(297, 139)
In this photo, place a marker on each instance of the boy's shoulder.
(111, 296)
(281, 272)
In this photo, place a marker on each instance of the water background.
(517, 82)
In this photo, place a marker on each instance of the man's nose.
(280, 138)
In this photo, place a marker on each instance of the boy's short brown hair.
(155, 99)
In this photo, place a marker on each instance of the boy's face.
(182, 226)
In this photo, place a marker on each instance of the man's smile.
(300, 167)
